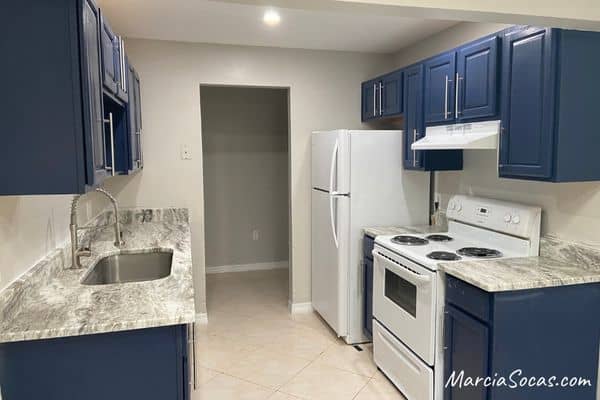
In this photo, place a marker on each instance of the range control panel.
(512, 218)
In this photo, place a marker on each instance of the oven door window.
(401, 292)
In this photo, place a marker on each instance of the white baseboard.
(247, 267)
(201, 318)
(300, 308)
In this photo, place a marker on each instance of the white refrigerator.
(357, 181)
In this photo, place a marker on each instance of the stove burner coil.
(409, 240)
(479, 252)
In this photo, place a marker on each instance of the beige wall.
(445, 40)
(571, 211)
(32, 226)
(245, 160)
(324, 94)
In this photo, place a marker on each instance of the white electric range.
(408, 292)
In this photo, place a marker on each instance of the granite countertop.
(560, 263)
(403, 230)
(50, 302)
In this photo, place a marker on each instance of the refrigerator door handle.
(332, 219)
(332, 168)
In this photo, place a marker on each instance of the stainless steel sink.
(130, 267)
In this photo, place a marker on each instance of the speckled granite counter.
(403, 230)
(560, 264)
(49, 301)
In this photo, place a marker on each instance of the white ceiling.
(209, 21)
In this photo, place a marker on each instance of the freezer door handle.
(333, 198)
(332, 167)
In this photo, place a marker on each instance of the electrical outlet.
(186, 152)
(255, 234)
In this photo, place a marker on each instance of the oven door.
(404, 299)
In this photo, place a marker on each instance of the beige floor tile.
(379, 389)
(322, 382)
(267, 368)
(217, 352)
(223, 387)
(346, 357)
(283, 396)
(203, 375)
(300, 344)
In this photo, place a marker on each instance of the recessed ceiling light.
(271, 18)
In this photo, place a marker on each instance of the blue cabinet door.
(109, 60)
(391, 96)
(368, 293)
(370, 107)
(413, 115)
(527, 113)
(96, 168)
(439, 88)
(134, 114)
(477, 80)
(466, 344)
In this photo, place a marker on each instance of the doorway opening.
(245, 145)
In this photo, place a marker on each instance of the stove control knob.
(452, 206)
(459, 207)
(516, 219)
(507, 218)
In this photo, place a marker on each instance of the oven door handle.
(417, 279)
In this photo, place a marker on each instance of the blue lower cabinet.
(368, 245)
(513, 336)
(149, 364)
(549, 107)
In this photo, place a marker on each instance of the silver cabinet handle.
(138, 136)
(498, 146)
(456, 112)
(446, 98)
(123, 74)
(380, 98)
(374, 99)
(414, 151)
(109, 121)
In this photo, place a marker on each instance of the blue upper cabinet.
(382, 97)
(391, 94)
(110, 76)
(440, 96)
(134, 115)
(549, 106)
(477, 80)
(113, 62)
(54, 130)
(369, 92)
(413, 115)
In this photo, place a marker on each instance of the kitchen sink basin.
(130, 267)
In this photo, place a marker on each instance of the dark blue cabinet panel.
(439, 88)
(542, 332)
(369, 104)
(477, 80)
(134, 115)
(110, 71)
(549, 114)
(149, 364)
(392, 94)
(466, 344)
(528, 97)
(413, 115)
(93, 108)
(52, 120)
(368, 293)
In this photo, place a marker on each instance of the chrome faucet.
(78, 252)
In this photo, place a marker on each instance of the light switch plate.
(186, 152)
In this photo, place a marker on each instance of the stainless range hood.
(476, 135)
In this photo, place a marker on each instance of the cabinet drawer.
(368, 245)
(468, 298)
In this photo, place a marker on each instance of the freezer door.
(331, 161)
(330, 259)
